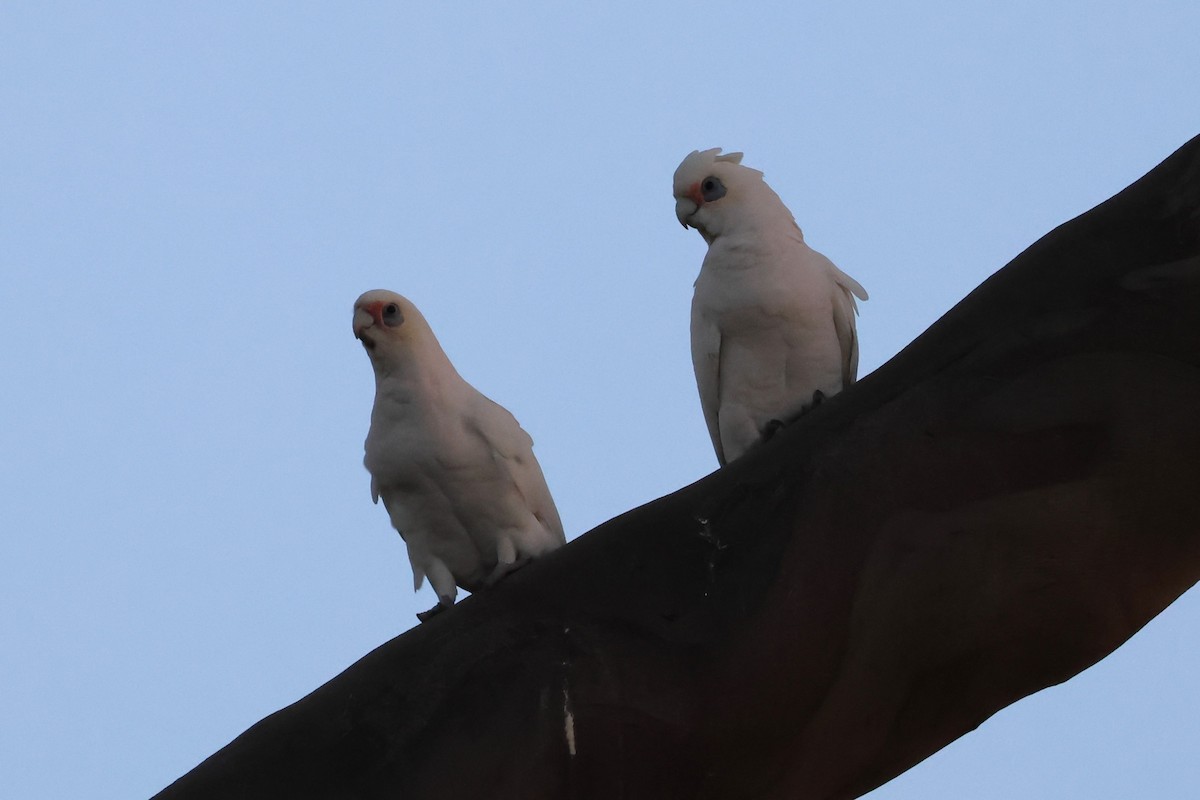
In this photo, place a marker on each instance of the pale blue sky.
(192, 196)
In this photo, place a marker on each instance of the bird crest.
(699, 163)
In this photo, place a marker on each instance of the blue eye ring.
(711, 189)
(392, 316)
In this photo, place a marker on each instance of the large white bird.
(772, 319)
(456, 472)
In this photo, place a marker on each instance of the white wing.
(843, 325)
(706, 360)
(844, 310)
(512, 448)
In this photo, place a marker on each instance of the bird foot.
(774, 426)
(503, 570)
(425, 616)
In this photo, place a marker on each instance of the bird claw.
(503, 570)
(425, 616)
(773, 426)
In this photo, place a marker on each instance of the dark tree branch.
(997, 508)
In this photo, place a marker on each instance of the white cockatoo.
(772, 319)
(456, 472)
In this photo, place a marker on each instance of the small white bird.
(456, 472)
(772, 319)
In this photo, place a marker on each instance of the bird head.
(385, 321)
(712, 191)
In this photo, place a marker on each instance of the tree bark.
(996, 509)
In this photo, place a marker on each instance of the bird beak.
(365, 318)
(684, 208)
(689, 204)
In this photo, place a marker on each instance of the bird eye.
(712, 189)
(392, 316)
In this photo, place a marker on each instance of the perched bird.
(772, 319)
(456, 472)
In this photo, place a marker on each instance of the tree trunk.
(997, 508)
